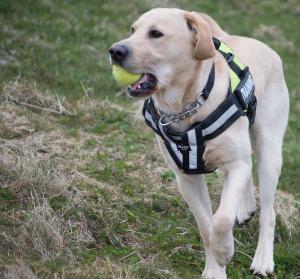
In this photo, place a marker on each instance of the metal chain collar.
(189, 109)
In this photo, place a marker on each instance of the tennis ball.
(123, 77)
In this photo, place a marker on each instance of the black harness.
(187, 148)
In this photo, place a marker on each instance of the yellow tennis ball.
(123, 77)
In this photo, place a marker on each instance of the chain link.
(189, 109)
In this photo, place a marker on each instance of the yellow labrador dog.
(174, 50)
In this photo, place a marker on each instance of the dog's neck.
(184, 90)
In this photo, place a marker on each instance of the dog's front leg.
(237, 176)
(194, 191)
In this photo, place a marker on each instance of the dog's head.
(163, 45)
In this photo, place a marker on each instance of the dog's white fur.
(181, 61)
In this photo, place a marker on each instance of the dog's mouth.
(145, 86)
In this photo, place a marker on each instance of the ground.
(84, 192)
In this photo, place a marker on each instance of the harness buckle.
(201, 99)
(229, 57)
(162, 120)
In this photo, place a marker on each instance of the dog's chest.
(230, 146)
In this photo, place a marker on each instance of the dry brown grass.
(19, 271)
(118, 270)
(41, 166)
(21, 105)
(32, 179)
(42, 232)
(32, 168)
(13, 124)
(31, 175)
(288, 208)
(28, 95)
(107, 269)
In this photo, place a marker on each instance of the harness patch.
(245, 90)
(183, 148)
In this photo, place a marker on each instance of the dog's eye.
(155, 34)
(132, 30)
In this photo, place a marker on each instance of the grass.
(80, 195)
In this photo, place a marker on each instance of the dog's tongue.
(144, 78)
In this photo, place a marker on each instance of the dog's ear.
(203, 42)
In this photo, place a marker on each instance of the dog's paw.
(246, 210)
(214, 271)
(223, 247)
(263, 263)
(244, 216)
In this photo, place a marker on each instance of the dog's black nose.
(118, 52)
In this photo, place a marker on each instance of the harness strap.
(238, 73)
(221, 118)
(210, 83)
(236, 68)
(187, 148)
(216, 123)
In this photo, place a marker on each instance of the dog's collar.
(192, 107)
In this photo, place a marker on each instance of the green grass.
(137, 220)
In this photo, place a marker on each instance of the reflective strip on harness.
(193, 152)
(154, 124)
(220, 121)
(176, 151)
(149, 117)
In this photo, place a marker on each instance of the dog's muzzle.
(143, 87)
